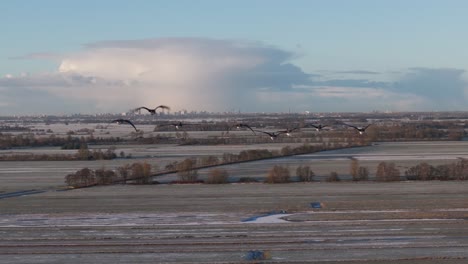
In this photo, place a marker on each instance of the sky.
(64, 57)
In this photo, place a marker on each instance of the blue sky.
(345, 49)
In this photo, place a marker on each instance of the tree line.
(83, 153)
(398, 131)
(187, 170)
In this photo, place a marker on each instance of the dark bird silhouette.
(318, 127)
(240, 125)
(123, 121)
(361, 130)
(288, 131)
(153, 111)
(176, 125)
(273, 135)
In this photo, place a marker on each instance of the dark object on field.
(316, 205)
(258, 255)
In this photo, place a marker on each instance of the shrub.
(278, 174)
(461, 170)
(443, 172)
(209, 160)
(387, 172)
(285, 151)
(186, 171)
(82, 178)
(363, 174)
(247, 179)
(357, 172)
(354, 169)
(217, 176)
(124, 171)
(333, 177)
(141, 172)
(305, 174)
(104, 177)
(422, 172)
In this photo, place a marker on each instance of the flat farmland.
(358, 222)
(43, 174)
(404, 222)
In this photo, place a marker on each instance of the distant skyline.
(60, 57)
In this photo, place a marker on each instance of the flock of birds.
(272, 135)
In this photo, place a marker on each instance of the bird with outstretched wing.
(123, 121)
(152, 111)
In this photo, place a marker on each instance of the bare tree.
(363, 174)
(422, 171)
(217, 176)
(141, 172)
(305, 174)
(333, 177)
(387, 172)
(186, 170)
(278, 174)
(354, 169)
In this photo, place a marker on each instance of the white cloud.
(212, 75)
(201, 74)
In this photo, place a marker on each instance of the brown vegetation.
(217, 176)
(426, 172)
(305, 174)
(140, 172)
(387, 172)
(333, 177)
(186, 170)
(82, 154)
(278, 174)
(357, 172)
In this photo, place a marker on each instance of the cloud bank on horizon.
(218, 75)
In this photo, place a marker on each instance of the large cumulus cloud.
(215, 75)
(201, 74)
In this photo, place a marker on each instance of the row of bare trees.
(426, 172)
(82, 154)
(86, 177)
(140, 173)
(8, 141)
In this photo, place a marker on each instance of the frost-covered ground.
(364, 222)
(43, 174)
(404, 222)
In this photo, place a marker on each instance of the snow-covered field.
(370, 223)
(31, 175)
(364, 222)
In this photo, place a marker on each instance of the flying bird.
(287, 131)
(176, 125)
(240, 125)
(318, 127)
(361, 130)
(153, 111)
(123, 121)
(273, 135)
